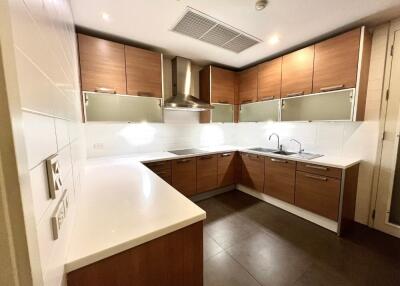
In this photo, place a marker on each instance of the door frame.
(394, 27)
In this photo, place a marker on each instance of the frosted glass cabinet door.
(222, 113)
(330, 106)
(117, 108)
(260, 111)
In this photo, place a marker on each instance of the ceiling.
(148, 22)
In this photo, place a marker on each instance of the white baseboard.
(317, 219)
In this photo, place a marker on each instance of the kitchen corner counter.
(123, 205)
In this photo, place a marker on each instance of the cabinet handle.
(105, 90)
(225, 155)
(295, 94)
(331, 88)
(253, 156)
(317, 167)
(183, 161)
(156, 164)
(206, 157)
(278, 160)
(246, 101)
(319, 178)
(163, 173)
(267, 97)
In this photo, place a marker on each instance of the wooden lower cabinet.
(207, 173)
(318, 194)
(162, 169)
(175, 259)
(252, 171)
(184, 175)
(226, 169)
(280, 179)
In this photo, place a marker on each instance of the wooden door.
(207, 173)
(318, 194)
(248, 85)
(184, 176)
(297, 72)
(280, 179)
(270, 80)
(226, 169)
(336, 62)
(253, 171)
(222, 85)
(102, 65)
(143, 72)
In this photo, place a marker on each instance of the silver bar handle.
(331, 88)
(205, 157)
(183, 161)
(278, 160)
(295, 94)
(317, 167)
(105, 90)
(267, 97)
(226, 155)
(319, 178)
(246, 101)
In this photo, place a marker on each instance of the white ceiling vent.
(203, 27)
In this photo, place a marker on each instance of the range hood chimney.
(181, 98)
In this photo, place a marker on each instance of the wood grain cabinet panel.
(102, 65)
(184, 176)
(280, 177)
(336, 62)
(270, 80)
(162, 169)
(319, 170)
(143, 72)
(222, 85)
(297, 72)
(226, 169)
(253, 171)
(318, 194)
(207, 175)
(248, 85)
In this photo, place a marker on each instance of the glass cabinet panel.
(222, 113)
(260, 111)
(336, 105)
(121, 108)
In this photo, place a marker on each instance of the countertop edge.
(105, 253)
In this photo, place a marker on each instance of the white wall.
(48, 81)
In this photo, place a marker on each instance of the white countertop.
(123, 204)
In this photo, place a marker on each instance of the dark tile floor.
(248, 242)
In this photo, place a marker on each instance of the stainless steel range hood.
(181, 98)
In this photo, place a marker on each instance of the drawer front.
(253, 171)
(207, 176)
(280, 177)
(184, 175)
(159, 166)
(320, 170)
(226, 169)
(318, 194)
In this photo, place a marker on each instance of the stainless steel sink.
(265, 150)
(286, 153)
(306, 156)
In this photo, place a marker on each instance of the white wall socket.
(60, 214)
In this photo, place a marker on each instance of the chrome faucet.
(300, 149)
(277, 136)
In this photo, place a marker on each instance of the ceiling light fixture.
(273, 40)
(261, 4)
(105, 16)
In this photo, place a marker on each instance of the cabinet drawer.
(280, 179)
(207, 176)
(226, 169)
(320, 170)
(318, 194)
(253, 171)
(159, 166)
(184, 175)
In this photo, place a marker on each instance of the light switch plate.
(53, 175)
(57, 219)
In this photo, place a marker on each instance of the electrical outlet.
(98, 146)
(53, 176)
(57, 219)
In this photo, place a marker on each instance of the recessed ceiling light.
(105, 16)
(273, 40)
(261, 4)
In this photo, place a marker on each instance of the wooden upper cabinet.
(269, 80)
(248, 85)
(222, 85)
(336, 62)
(102, 65)
(143, 72)
(297, 72)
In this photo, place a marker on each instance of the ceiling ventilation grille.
(198, 25)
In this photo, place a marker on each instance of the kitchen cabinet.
(280, 179)
(102, 65)
(207, 173)
(320, 170)
(222, 85)
(297, 72)
(226, 169)
(252, 171)
(248, 81)
(184, 175)
(143, 72)
(270, 80)
(162, 169)
(318, 194)
(336, 62)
